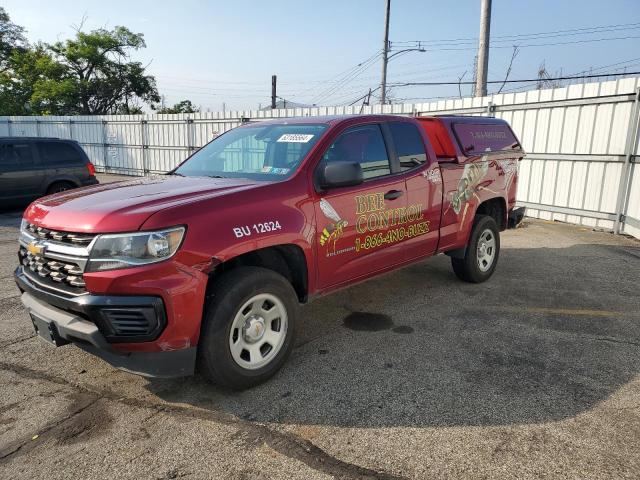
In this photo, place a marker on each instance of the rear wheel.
(248, 328)
(58, 187)
(482, 252)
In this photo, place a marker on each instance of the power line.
(345, 79)
(449, 49)
(569, 32)
(192, 90)
(345, 96)
(575, 77)
(403, 74)
(177, 92)
(337, 77)
(609, 66)
(191, 79)
(626, 63)
(207, 88)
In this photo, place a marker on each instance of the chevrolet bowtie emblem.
(35, 248)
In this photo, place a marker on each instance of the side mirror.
(340, 174)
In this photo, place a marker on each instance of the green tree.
(11, 38)
(35, 84)
(101, 73)
(90, 74)
(12, 44)
(185, 106)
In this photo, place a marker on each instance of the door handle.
(393, 194)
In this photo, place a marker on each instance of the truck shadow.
(551, 335)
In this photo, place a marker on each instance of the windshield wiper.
(215, 176)
(175, 173)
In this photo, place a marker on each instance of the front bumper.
(82, 321)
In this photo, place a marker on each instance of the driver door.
(354, 224)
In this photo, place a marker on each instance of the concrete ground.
(535, 373)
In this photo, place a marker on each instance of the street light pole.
(389, 58)
(385, 54)
(419, 49)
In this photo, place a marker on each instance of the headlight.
(127, 250)
(25, 235)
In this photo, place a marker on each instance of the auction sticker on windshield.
(295, 138)
(277, 171)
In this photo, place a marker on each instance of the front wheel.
(481, 255)
(248, 328)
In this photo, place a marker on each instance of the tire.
(231, 346)
(479, 261)
(58, 187)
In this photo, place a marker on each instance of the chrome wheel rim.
(258, 331)
(486, 250)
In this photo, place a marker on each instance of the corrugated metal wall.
(582, 144)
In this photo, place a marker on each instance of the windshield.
(259, 152)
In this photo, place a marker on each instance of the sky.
(328, 52)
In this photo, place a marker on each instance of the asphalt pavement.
(533, 374)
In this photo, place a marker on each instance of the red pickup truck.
(205, 267)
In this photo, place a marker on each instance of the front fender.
(220, 229)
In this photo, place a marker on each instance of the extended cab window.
(15, 155)
(54, 153)
(364, 145)
(408, 143)
(260, 152)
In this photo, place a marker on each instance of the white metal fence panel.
(581, 143)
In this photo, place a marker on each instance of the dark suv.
(33, 167)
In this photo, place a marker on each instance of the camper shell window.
(478, 138)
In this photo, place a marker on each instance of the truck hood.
(124, 206)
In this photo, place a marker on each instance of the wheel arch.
(496, 208)
(288, 260)
(61, 179)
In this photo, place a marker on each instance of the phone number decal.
(394, 235)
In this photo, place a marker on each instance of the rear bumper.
(77, 320)
(515, 216)
(90, 181)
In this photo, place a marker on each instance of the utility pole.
(475, 75)
(385, 54)
(483, 48)
(365, 101)
(274, 81)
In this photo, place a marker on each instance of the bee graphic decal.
(333, 231)
(468, 186)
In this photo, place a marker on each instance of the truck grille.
(75, 239)
(55, 273)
